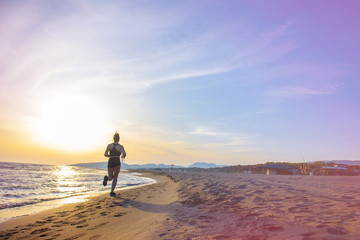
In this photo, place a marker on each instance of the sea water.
(29, 188)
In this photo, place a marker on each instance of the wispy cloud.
(131, 51)
(223, 137)
(306, 79)
(297, 91)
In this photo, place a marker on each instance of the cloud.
(119, 45)
(297, 91)
(222, 137)
(305, 79)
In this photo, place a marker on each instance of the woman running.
(113, 152)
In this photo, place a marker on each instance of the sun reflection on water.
(66, 183)
(64, 172)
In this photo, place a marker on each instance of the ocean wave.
(35, 201)
(19, 204)
(24, 184)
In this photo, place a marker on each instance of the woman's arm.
(123, 153)
(106, 154)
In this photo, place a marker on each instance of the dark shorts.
(113, 162)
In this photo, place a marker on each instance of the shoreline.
(207, 206)
(87, 220)
(28, 210)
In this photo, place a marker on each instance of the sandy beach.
(207, 206)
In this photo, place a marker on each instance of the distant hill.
(152, 165)
(205, 165)
(103, 165)
(347, 162)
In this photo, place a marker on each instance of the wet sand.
(207, 206)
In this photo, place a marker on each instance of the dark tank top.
(114, 153)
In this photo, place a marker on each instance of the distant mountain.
(205, 165)
(152, 165)
(347, 162)
(103, 165)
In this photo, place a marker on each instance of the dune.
(207, 206)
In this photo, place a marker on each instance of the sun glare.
(64, 172)
(71, 123)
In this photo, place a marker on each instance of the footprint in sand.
(7, 234)
(82, 226)
(26, 228)
(120, 214)
(42, 230)
(23, 237)
(64, 213)
(55, 236)
(348, 197)
(98, 226)
(60, 224)
(241, 186)
(322, 226)
(78, 223)
(41, 222)
(337, 231)
(258, 199)
(75, 237)
(103, 213)
(274, 228)
(49, 219)
(95, 237)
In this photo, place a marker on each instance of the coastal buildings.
(277, 169)
(318, 168)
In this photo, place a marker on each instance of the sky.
(226, 82)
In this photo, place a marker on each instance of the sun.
(70, 122)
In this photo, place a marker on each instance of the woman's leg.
(115, 177)
(110, 173)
